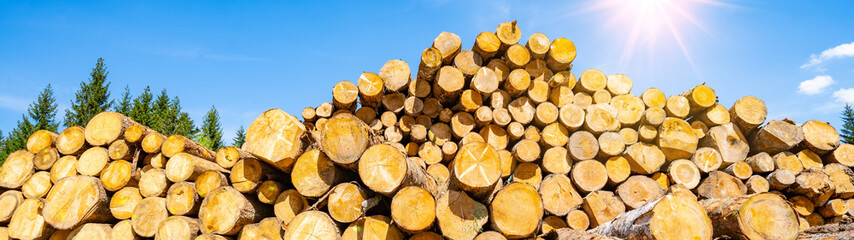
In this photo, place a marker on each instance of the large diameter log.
(106, 127)
(748, 113)
(589, 175)
(583, 145)
(123, 202)
(275, 138)
(226, 211)
(37, 186)
(135, 133)
(721, 185)
(476, 169)
(91, 231)
(560, 55)
(176, 144)
(288, 204)
(729, 141)
(74, 200)
(713, 116)
(670, 217)
(639, 190)
(227, 156)
(41, 139)
(344, 138)
(558, 195)
(312, 225)
(65, 166)
(700, 98)
(17, 168)
(644, 158)
(677, 106)
(820, 137)
(123, 230)
(775, 137)
(761, 162)
(153, 182)
(345, 202)
(630, 108)
(178, 227)
(843, 179)
(458, 216)
(182, 199)
(371, 89)
(71, 141)
(844, 154)
(184, 166)
(314, 174)
(448, 84)
(602, 206)
(9, 201)
(413, 209)
(516, 210)
(116, 175)
(210, 180)
(601, 118)
(760, 216)
(27, 222)
(344, 95)
(676, 139)
(148, 215)
(814, 184)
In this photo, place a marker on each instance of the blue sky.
(246, 57)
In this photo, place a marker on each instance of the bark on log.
(760, 216)
(312, 225)
(226, 211)
(670, 217)
(458, 216)
(148, 215)
(106, 127)
(75, 200)
(275, 138)
(184, 166)
(27, 222)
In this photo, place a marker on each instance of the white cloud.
(845, 95)
(841, 51)
(816, 85)
(13, 103)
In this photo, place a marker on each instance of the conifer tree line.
(158, 111)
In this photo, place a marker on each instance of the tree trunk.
(92, 161)
(844, 154)
(75, 200)
(571, 116)
(557, 160)
(314, 174)
(458, 216)
(275, 137)
(248, 173)
(618, 170)
(27, 223)
(476, 169)
(413, 209)
(345, 94)
(123, 202)
(721, 185)
(176, 144)
(781, 179)
(107, 127)
(17, 168)
(677, 106)
(178, 227)
(312, 225)
(602, 206)
(210, 180)
(184, 166)
(729, 142)
(153, 183)
(639, 190)
(757, 184)
(583, 145)
(9, 201)
(268, 191)
(820, 137)
(40, 140)
(760, 216)
(842, 178)
(761, 163)
(385, 170)
(601, 118)
(226, 211)
(740, 170)
(748, 113)
(148, 215)
(589, 175)
(526, 151)
(72, 141)
(344, 138)
(181, 199)
(670, 217)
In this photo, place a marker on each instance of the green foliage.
(210, 135)
(43, 111)
(17, 139)
(847, 132)
(141, 110)
(92, 98)
(240, 138)
(168, 119)
(126, 104)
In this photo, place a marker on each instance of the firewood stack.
(501, 141)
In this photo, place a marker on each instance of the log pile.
(499, 141)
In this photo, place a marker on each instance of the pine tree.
(43, 111)
(17, 139)
(183, 124)
(126, 104)
(162, 117)
(92, 98)
(142, 111)
(210, 135)
(847, 132)
(240, 138)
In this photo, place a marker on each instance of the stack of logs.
(498, 142)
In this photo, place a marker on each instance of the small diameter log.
(761, 162)
(268, 228)
(844, 154)
(275, 138)
(268, 191)
(563, 78)
(740, 170)
(45, 158)
(602, 206)
(654, 97)
(208, 181)
(583, 145)
(314, 174)
(529, 173)
(288, 204)
(539, 91)
(677, 106)
(729, 141)
(833, 208)
(571, 116)
(561, 95)
(372, 227)
(135, 133)
(610, 144)
(225, 211)
(151, 143)
(551, 223)
(385, 170)
(184, 166)
(312, 225)
(715, 115)
(843, 179)
(560, 55)
(619, 84)
(556, 160)
(760, 216)
(413, 209)
(720, 185)
(123, 202)
(462, 123)
(639, 190)
(653, 116)
(123, 230)
(590, 81)
(630, 108)
(602, 96)
(676, 139)
(41, 139)
(684, 172)
(153, 182)
(74, 200)
(780, 179)
(517, 83)
(209, 236)
(116, 175)
(91, 231)
(522, 110)
(589, 175)
(17, 168)
(178, 227)
(538, 44)
(814, 184)
(148, 215)
(476, 169)
(449, 45)
(371, 89)
(227, 156)
(558, 195)
(106, 127)
(71, 141)
(647, 133)
(601, 118)
(644, 158)
(441, 173)
(248, 173)
(395, 75)
(700, 98)
(448, 84)
(92, 161)
(176, 144)
(345, 202)
(344, 95)
(618, 170)
(775, 137)
(27, 223)
(468, 62)
(458, 216)
(516, 210)
(670, 217)
(181, 199)
(9, 201)
(757, 184)
(662, 179)
(788, 161)
(431, 60)
(820, 137)
(577, 219)
(526, 151)
(37, 186)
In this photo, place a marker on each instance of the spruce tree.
(142, 111)
(126, 104)
(92, 98)
(17, 139)
(183, 124)
(847, 132)
(162, 117)
(43, 111)
(240, 138)
(210, 135)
